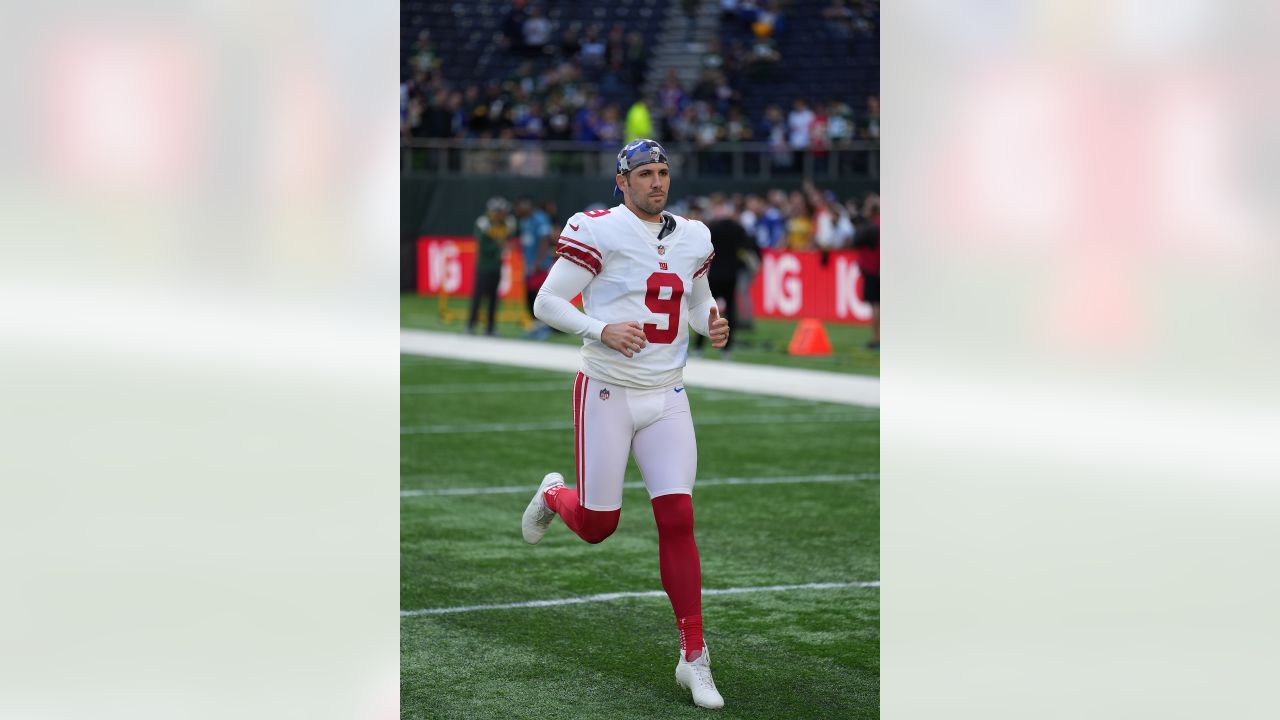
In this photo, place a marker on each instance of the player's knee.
(599, 525)
(673, 513)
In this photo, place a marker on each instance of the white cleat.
(537, 517)
(696, 676)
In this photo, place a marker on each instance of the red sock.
(678, 564)
(690, 636)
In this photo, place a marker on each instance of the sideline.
(737, 377)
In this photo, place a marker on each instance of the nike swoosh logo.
(575, 227)
(679, 389)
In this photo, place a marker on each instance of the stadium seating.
(466, 35)
(815, 63)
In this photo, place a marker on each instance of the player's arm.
(567, 280)
(704, 314)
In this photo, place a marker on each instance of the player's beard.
(648, 204)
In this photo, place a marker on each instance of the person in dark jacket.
(730, 242)
(494, 230)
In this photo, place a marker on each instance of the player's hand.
(717, 328)
(627, 338)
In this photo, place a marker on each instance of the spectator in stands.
(493, 231)
(438, 119)
(411, 119)
(424, 59)
(609, 129)
(799, 127)
(763, 58)
(536, 31)
(839, 17)
(586, 122)
(799, 223)
(637, 58)
(839, 123)
(774, 130)
(737, 128)
(570, 45)
(592, 53)
(866, 16)
(639, 123)
(477, 110)
(615, 46)
(513, 27)
(871, 121)
(769, 21)
(559, 123)
(528, 121)
(725, 95)
(818, 142)
(711, 56)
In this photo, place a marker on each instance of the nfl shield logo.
(662, 250)
(604, 394)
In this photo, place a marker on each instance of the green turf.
(764, 343)
(803, 653)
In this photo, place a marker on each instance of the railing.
(737, 160)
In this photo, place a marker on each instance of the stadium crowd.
(807, 219)
(580, 92)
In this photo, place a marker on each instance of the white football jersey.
(637, 277)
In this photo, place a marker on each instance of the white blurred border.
(1080, 416)
(199, 313)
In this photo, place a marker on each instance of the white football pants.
(655, 426)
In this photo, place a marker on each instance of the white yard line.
(698, 373)
(451, 429)
(709, 482)
(608, 597)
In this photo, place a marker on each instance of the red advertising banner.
(799, 285)
(792, 285)
(449, 263)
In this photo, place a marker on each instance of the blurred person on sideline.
(493, 231)
(751, 218)
(642, 276)
(799, 223)
(771, 226)
(824, 221)
(732, 246)
(866, 246)
(536, 251)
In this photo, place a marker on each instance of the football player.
(642, 276)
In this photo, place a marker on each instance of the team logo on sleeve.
(604, 394)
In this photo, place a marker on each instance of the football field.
(787, 524)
